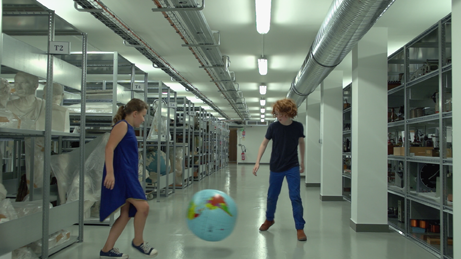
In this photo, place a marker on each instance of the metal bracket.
(200, 45)
(218, 81)
(215, 66)
(87, 10)
(130, 45)
(180, 9)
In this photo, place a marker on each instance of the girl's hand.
(109, 181)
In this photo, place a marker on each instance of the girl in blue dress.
(120, 186)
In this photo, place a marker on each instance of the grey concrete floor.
(327, 227)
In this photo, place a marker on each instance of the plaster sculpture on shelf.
(7, 119)
(5, 90)
(60, 115)
(27, 108)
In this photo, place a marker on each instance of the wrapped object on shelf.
(7, 211)
(2, 192)
(25, 208)
(55, 239)
(91, 107)
(24, 253)
(153, 158)
(66, 168)
(159, 125)
(178, 158)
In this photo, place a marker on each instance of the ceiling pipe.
(346, 23)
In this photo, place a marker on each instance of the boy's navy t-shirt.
(285, 141)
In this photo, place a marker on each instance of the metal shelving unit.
(20, 55)
(420, 143)
(347, 140)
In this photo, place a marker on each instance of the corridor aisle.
(327, 227)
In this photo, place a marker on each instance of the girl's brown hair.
(134, 105)
(285, 106)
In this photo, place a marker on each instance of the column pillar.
(312, 133)
(331, 130)
(369, 133)
(456, 108)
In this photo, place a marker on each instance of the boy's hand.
(255, 169)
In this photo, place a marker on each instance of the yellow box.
(399, 151)
(420, 151)
(449, 154)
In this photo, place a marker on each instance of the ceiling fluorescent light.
(262, 89)
(263, 110)
(262, 120)
(262, 66)
(263, 16)
(262, 102)
(262, 116)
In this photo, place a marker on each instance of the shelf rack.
(419, 101)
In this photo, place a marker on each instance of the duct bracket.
(215, 66)
(180, 9)
(87, 10)
(131, 45)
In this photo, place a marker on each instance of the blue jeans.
(275, 185)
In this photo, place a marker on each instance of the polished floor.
(327, 227)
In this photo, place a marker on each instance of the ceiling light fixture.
(263, 110)
(262, 65)
(262, 116)
(263, 16)
(262, 120)
(262, 89)
(262, 101)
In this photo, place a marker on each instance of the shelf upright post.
(159, 140)
(442, 144)
(82, 137)
(406, 141)
(173, 166)
(47, 158)
(167, 138)
(114, 83)
(144, 134)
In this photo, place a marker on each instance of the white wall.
(254, 136)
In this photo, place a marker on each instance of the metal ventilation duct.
(346, 23)
(191, 25)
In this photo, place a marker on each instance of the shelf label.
(138, 87)
(59, 47)
(172, 105)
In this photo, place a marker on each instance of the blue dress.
(126, 184)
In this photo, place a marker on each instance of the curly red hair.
(285, 106)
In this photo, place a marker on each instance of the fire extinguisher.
(243, 152)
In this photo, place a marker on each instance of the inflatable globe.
(152, 159)
(211, 215)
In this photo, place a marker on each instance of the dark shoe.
(113, 253)
(146, 249)
(301, 235)
(266, 225)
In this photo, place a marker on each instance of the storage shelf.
(347, 176)
(396, 191)
(396, 225)
(396, 124)
(347, 132)
(427, 118)
(425, 199)
(396, 89)
(429, 79)
(347, 110)
(395, 158)
(423, 159)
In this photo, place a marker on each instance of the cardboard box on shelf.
(449, 152)
(432, 152)
(399, 151)
(420, 151)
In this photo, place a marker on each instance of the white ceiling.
(294, 25)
